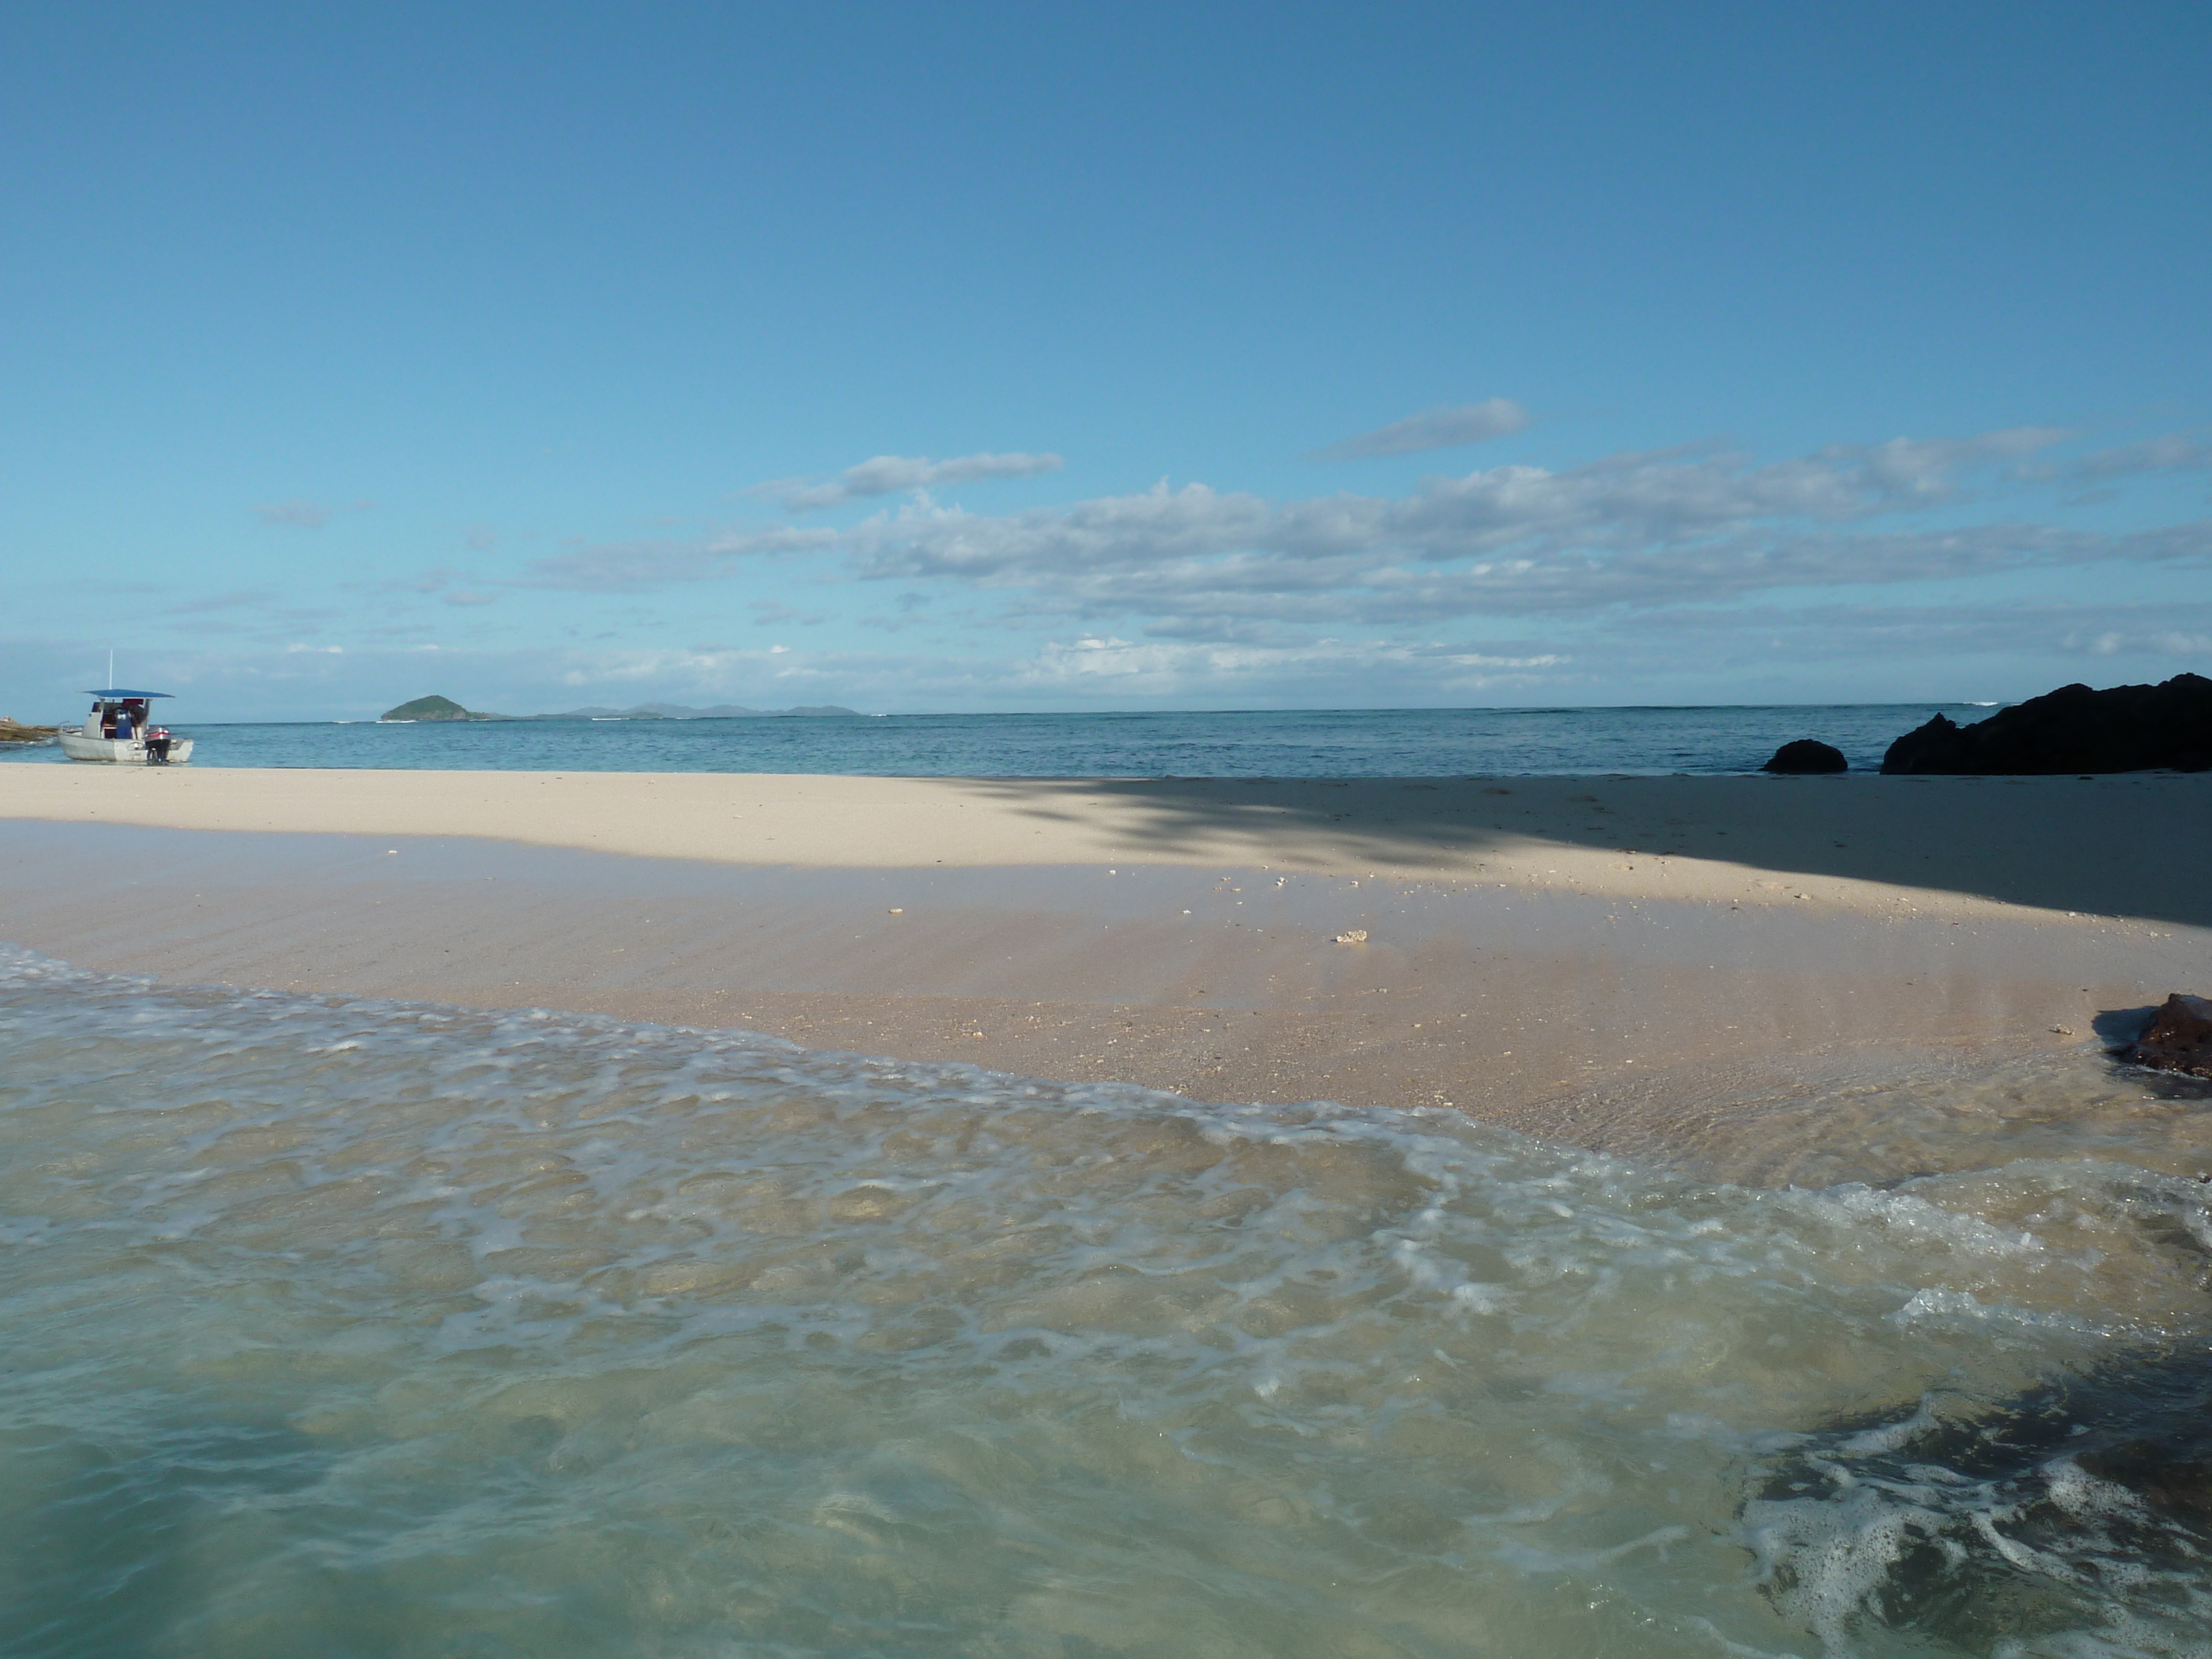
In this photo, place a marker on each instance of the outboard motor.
(157, 746)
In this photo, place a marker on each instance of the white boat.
(120, 731)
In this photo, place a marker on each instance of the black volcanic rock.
(1808, 755)
(2180, 1038)
(1927, 1484)
(2127, 728)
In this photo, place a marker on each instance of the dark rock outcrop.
(1808, 755)
(2180, 1038)
(1926, 1484)
(2126, 728)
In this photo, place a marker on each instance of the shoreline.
(2117, 846)
(1566, 987)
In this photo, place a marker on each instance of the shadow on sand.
(2127, 846)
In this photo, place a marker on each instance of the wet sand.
(1530, 958)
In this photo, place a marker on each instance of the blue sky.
(974, 357)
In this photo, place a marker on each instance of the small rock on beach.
(2180, 1038)
(1806, 754)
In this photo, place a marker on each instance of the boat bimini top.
(115, 694)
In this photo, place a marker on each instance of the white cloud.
(1666, 570)
(889, 474)
(768, 613)
(2172, 452)
(2017, 647)
(1108, 667)
(1636, 502)
(1432, 429)
(1630, 532)
(1778, 647)
(1637, 530)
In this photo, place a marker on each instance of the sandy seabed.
(1609, 960)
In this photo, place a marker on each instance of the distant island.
(433, 708)
(445, 708)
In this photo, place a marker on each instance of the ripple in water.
(370, 1328)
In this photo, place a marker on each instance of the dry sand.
(2128, 845)
(1564, 955)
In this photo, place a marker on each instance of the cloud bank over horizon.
(1636, 571)
(1413, 356)
(1641, 533)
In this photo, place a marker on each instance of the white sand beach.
(2117, 845)
(1576, 956)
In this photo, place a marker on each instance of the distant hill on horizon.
(434, 708)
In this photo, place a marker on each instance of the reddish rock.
(2180, 1037)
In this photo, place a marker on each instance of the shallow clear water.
(1294, 743)
(369, 1329)
(1883, 1116)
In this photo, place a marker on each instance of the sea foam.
(385, 1328)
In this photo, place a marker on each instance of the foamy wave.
(531, 1331)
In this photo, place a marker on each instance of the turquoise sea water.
(1355, 743)
(359, 1329)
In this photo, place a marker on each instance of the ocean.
(372, 1328)
(1324, 743)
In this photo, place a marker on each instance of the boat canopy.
(114, 694)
